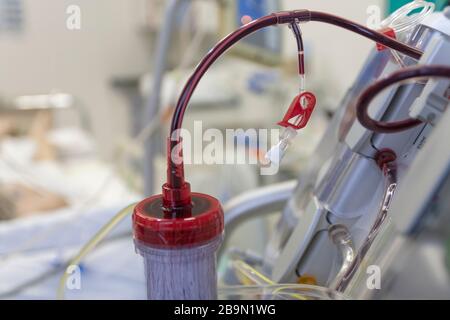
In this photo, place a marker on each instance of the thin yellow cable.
(258, 278)
(90, 245)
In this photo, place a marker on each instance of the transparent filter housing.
(179, 253)
(184, 273)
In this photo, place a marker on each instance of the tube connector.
(293, 16)
(177, 201)
(277, 152)
(176, 192)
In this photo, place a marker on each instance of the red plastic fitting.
(298, 115)
(154, 228)
(387, 32)
(384, 157)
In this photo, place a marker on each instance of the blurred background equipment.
(264, 46)
(11, 16)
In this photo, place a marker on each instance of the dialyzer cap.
(154, 226)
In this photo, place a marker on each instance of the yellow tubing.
(99, 236)
(246, 271)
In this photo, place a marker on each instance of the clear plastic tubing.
(403, 18)
(277, 152)
(179, 253)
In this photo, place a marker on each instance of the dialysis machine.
(365, 191)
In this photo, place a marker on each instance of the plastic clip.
(299, 111)
(387, 32)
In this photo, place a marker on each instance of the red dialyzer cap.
(152, 226)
